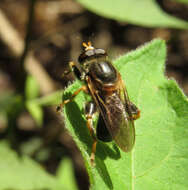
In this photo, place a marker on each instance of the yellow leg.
(71, 65)
(83, 88)
(136, 116)
(92, 133)
(135, 112)
(92, 157)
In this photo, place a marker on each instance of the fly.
(109, 97)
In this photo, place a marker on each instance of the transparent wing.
(118, 120)
(116, 112)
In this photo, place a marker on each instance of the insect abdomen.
(102, 132)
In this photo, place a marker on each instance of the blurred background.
(37, 40)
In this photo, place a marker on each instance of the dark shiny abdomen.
(102, 132)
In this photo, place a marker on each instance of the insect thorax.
(103, 72)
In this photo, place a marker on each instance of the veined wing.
(118, 121)
(116, 113)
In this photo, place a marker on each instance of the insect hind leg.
(135, 112)
(90, 110)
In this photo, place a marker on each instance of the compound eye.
(100, 52)
(91, 53)
(85, 55)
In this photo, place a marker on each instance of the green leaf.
(181, 1)
(34, 106)
(32, 145)
(51, 99)
(159, 159)
(36, 111)
(9, 100)
(21, 173)
(144, 13)
(65, 175)
(31, 88)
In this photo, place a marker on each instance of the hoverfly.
(109, 97)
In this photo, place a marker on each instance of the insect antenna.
(88, 46)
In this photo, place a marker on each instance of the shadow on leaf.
(80, 132)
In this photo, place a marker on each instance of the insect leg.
(134, 111)
(71, 66)
(83, 88)
(90, 109)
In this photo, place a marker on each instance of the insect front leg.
(83, 88)
(71, 68)
(90, 110)
(75, 69)
(134, 111)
